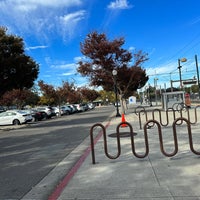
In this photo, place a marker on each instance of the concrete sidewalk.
(128, 177)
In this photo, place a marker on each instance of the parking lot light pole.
(114, 73)
(179, 68)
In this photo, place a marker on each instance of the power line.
(190, 44)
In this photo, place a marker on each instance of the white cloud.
(36, 47)
(166, 68)
(67, 74)
(64, 66)
(73, 17)
(42, 19)
(79, 58)
(69, 22)
(119, 4)
(28, 5)
(131, 48)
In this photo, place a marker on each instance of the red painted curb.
(60, 187)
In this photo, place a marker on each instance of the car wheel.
(33, 119)
(67, 112)
(16, 122)
(45, 116)
(57, 114)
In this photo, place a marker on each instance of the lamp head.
(114, 72)
(183, 60)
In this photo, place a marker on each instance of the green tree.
(17, 70)
(107, 96)
(195, 88)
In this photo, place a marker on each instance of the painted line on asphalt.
(61, 186)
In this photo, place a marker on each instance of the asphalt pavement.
(156, 176)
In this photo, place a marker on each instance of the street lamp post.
(179, 68)
(155, 86)
(114, 73)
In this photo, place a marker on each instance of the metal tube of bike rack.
(167, 118)
(195, 114)
(146, 126)
(92, 140)
(189, 133)
(160, 116)
(161, 138)
(105, 143)
(141, 107)
(133, 143)
(140, 121)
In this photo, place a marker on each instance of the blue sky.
(53, 29)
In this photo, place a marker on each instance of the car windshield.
(21, 112)
(3, 114)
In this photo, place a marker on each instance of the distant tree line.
(18, 72)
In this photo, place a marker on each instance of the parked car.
(91, 105)
(73, 107)
(58, 111)
(36, 114)
(80, 107)
(85, 105)
(15, 117)
(48, 110)
(2, 109)
(67, 110)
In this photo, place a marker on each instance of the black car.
(48, 110)
(38, 115)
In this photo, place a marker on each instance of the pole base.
(118, 115)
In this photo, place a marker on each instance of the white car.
(80, 107)
(58, 111)
(91, 105)
(73, 108)
(14, 117)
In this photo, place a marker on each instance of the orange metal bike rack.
(146, 142)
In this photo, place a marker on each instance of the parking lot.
(11, 119)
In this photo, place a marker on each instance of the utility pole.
(155, 86)
(197, 75)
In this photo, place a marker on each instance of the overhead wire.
(188, 47)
